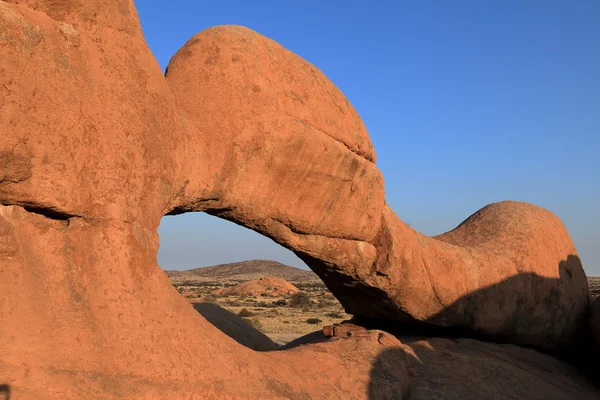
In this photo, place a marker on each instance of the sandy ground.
(277, 317)
(284, 338)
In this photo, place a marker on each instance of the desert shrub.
(233, 303)
(313, 321)
(305, 309)
(325, 303)
(286, 322)
(210, 298)
(280, 303)
(266, 305)
(310, 287)
(334, 315)
(253, 322)
(245, 313)
(300, 299)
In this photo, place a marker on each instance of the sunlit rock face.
(93, 152)
(274, 146)
(96, 146)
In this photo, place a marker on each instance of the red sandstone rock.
(91, 158)
(466, 369)
(268, 286)
(267, 159)
(341, 330)
(509, 271)
(274, 146)
(96, 147)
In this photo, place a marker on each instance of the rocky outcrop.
(274, 146)
(268, 286)
(97, 146)
(90, 160)
(510, 271)
(264, 154)
(468, 369)
(465, 369)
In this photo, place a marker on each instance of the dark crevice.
(223, 213)
(177, 211)
(202, 205)
(49, 213)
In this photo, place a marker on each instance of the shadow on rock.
(4, 392)
(468, 369)
(448, 363)
(235, 327)
(523, 309)
(507, 311)
(388, 376)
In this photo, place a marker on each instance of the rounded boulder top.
(237, 68)
(268, 286)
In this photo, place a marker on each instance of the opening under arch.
(229, 274)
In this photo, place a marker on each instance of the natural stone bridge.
(97, 145)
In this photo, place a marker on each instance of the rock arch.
(278, 148)
(97, 146)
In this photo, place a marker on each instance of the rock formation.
(91, 156)
(469, 369)
(268, 286)
(274, 146)
(235, 327)
(97, 146)
(458, 369)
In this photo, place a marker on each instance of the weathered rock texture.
(92, 154)
(97, 146)
(268, 286)
(467, 369)
(274, 146)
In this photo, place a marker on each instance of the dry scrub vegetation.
(594, 285)
(282, 318)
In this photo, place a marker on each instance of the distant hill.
(244, 271)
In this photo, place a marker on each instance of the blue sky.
(467, 103)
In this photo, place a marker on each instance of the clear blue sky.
(467, 103)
